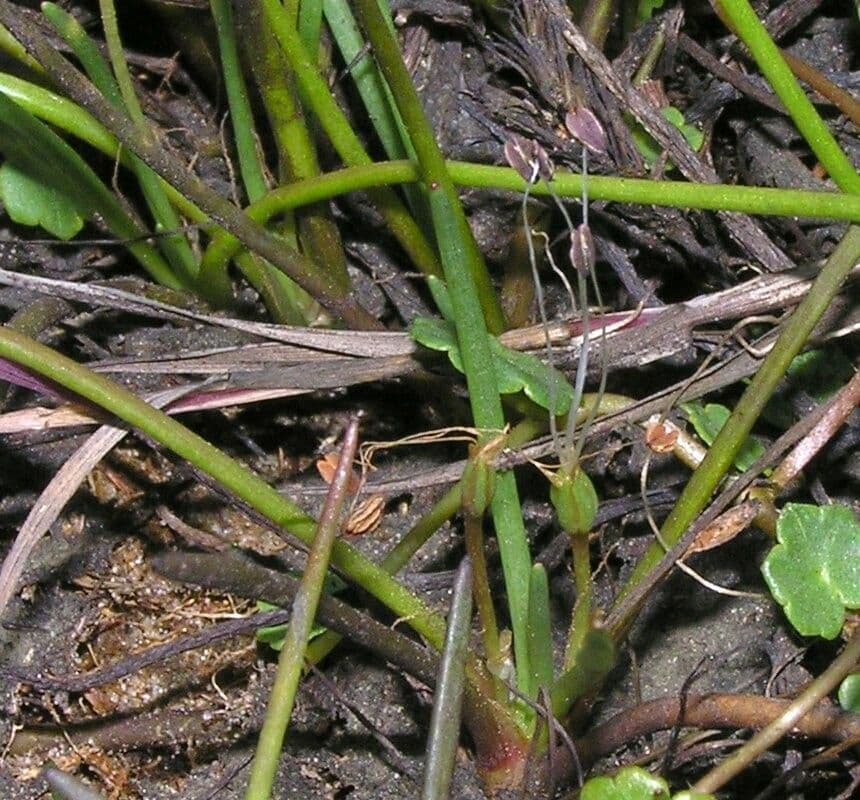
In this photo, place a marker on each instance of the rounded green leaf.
(631, 783)
(849, 693)
(28, 201)
(814, 571)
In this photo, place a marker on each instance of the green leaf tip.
(849, 693)
(814, 570)
(631, 783)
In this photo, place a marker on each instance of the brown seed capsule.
(586, 128)
(528, 158)
(582, 249)
(366, 516)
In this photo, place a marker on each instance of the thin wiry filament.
(581, 367)
(582, 290)
(592, 411)
(585, 186)
(553, 389)
(560, 273)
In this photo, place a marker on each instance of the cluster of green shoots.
(287, 247)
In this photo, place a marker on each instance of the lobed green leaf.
(30, 201)
(814, 570)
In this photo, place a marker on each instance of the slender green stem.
(297, 158)
(292, 658)
(540, 632)
(597, 20)
(310, 14)
(12, 48)
(175, 246)
(431, 163)
(474, 538)
(672, 194)
(73, 119)
(229, 473)
(779, 75)
(722, 452)
(241, 116)
(591, 664)
(375, 95)
(318, 98)
(581, 619)
(475, 309)
(285, 301)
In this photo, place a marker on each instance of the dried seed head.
(528, 158)
(582, 249)
(586, 128)
(366, 516)
(661, 436)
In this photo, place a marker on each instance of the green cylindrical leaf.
(540, 634)
(591, 664)
(479, 483)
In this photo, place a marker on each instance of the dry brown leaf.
(326, 467)
(724, 528)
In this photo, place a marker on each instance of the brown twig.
(839, 408)
(732, 76)
(790, 719)
(723, 711)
